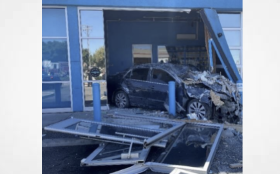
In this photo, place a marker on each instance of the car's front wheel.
(121, 99)
(200, 109)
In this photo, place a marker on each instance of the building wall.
(121, 35)
(75, 61)
(232, 5)
(73, 32)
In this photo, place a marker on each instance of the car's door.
(138, 86)
(159, 87)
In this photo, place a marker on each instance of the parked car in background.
(50, 78)
(202, 93)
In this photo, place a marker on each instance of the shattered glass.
(192, 147)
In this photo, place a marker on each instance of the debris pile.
(228, 157)
(215, 88)
(193, 144)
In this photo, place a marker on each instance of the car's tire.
(201, 109)
(121, 99)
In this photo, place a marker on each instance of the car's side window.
(139, 74)
(161, 76)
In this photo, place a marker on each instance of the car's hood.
(215, 82)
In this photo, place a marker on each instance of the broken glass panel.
(192, 146)
(111, 132)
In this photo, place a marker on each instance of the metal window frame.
(138, 9)
(46, 37)
(81, 57)
(169, 168)
(141, 44)
(137, 168)
(92, 38)
(211, 20)
(113, 160)
(241, 40)
(139, 118)
(139, 165)
(54, 110)
(156, 140)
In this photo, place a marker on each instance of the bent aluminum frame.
(149, 142)
(115, 159)
(140, 168)
(92, 129)
(171, 168)
(156, 120)
(135, 169)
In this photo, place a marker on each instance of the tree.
(85, 53)
(55, 51)
(99, 57)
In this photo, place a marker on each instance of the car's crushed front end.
(214, 89)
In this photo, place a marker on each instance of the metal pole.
(210, 54)
(172, 101)
(96, 102)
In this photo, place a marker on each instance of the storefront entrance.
(92, 44)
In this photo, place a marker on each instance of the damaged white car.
(207, 95)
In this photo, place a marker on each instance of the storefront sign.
(94, 72)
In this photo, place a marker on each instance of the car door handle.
(152, 87)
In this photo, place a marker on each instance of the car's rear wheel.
(199, 108)
(121, 99)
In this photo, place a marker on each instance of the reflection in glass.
(236, 56)
(55, 60)
(88, 94)
(233, 38)
(230, 20)
(93, 57)
(92, 24)
(56, 95)
(192, 147)
(53, 22)
(142, 54)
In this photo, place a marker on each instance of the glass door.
(93, 56)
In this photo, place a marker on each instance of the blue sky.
(56, 19)
(94, 19)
